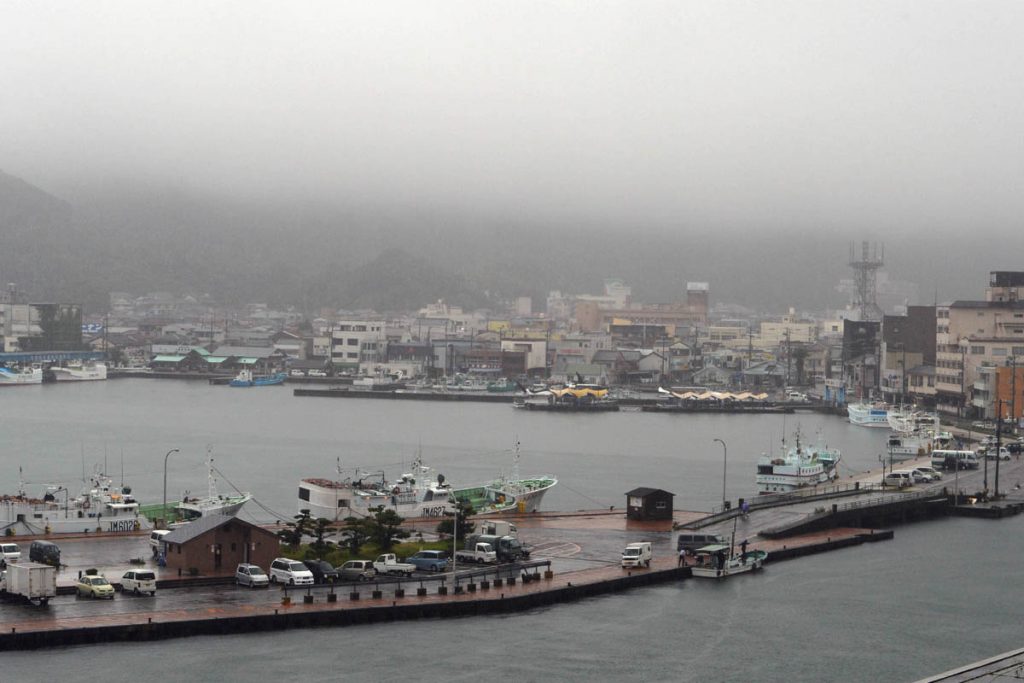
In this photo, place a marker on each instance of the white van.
(942, 459)
(637, 555)
(899, 479)
(156, 540)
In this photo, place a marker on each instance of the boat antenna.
(81, 447)
(122, 468)
(337, 466)
(21, 482)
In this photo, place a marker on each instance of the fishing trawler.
(797, 467)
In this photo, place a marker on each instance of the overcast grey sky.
(852, 116)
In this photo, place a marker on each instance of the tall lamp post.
(164, 508)
(725, 460)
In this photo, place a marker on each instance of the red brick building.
(217, 544)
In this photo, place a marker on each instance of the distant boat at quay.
(78, 372)
(21, 377)
(868, 414)
(246, 378)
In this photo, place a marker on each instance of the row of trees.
(382, 528)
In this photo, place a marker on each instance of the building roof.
(197, 528)
(246, 351)
(168, 359)
(1019, 305)
(644, 491)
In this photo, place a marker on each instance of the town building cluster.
(959, 357)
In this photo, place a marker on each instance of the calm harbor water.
(939, 595)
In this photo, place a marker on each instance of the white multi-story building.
(357, 344)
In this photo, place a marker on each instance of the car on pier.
(138, 581)
(357, 570)
(250, 575)
(94, 586)
(291, 572)
(322, 571)
(990, 453)
(8, 553)
(429, 560)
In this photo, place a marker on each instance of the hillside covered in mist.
(402, 257)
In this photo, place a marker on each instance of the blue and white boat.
(869, 414)
(20, 377)
(246, 378)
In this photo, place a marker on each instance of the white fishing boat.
(417, 494)
(718, 562)
(20, 376)
(868, 414)
(193, 507)
(915, 434)
(508, 493)
(797, 467)
(78, 372)
(100, 506)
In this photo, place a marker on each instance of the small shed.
(217, 544)
(646, 504)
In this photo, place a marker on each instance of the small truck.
(30, 581)
(481, 553)
(389, 564)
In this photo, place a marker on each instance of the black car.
(322, 571)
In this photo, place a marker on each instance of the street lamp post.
(725, 460)
(164, 508)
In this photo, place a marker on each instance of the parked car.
(297, 373)
(94, 586)
(250, 575)
(316, 373)
(291, 572)
(357, 570)
(429, 560)
(9, 552)
(323, 571)
(1015, 447)
(930, 471)
(138, 581)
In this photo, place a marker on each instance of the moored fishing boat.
(417, 494)
(20, 376)
(508, 493)
(100, 506)
(717, 562)
(191, 507)
(868, 414)
(797, 467)
(246, 378)
(78, 372)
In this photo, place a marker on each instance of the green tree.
(464, 510)
(294, 531)
(320, 527)
(357, 532)
(385, 527)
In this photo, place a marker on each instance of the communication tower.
(865, 274)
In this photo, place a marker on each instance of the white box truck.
(637, 555)
(30, 581)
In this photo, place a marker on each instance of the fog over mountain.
(367, 154)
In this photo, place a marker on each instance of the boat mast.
(212, 482)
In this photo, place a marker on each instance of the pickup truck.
(481, 553)
(389, 564)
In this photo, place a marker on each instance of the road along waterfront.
(936, 597)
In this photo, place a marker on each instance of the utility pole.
(789, 355)
(999, 444)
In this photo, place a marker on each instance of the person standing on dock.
(682, 558)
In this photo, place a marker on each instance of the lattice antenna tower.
(865, 275)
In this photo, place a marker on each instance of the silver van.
(899, 479)
(692, 541)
